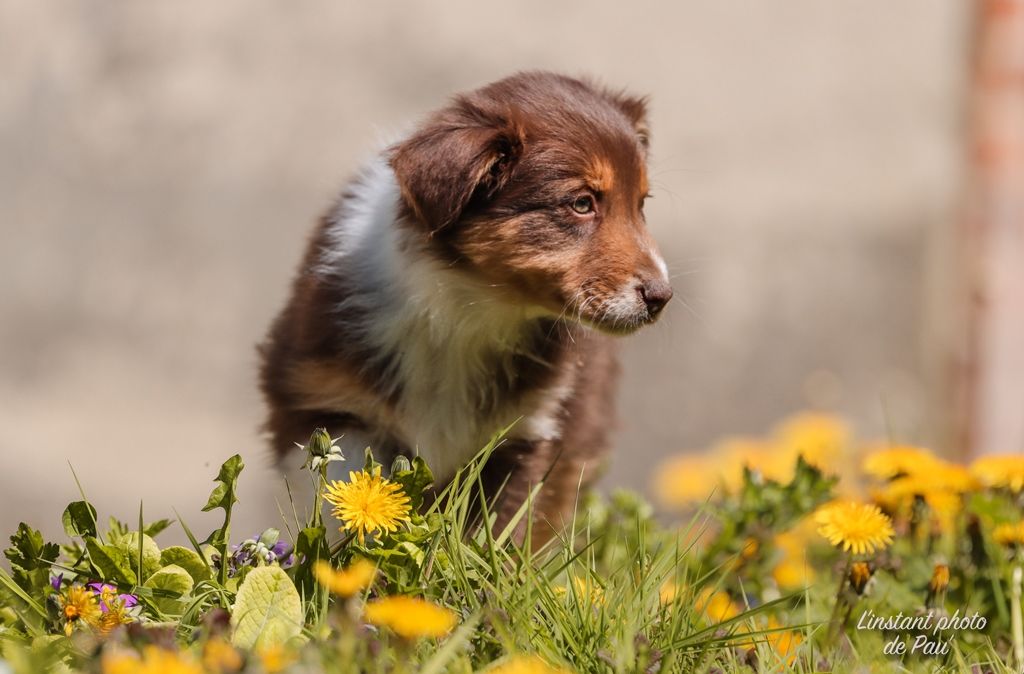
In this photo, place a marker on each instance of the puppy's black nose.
(655, 293)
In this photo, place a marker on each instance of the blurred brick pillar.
(991, 371)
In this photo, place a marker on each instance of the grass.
(707, 590)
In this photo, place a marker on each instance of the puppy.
(470, 278)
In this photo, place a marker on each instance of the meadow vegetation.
(801, 551)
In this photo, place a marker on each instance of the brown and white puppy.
(470, 277)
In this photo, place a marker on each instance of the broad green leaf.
(187, 559)
(129, 544)
(172, 580)
(111, 563)
(79, 519)
(267, 610)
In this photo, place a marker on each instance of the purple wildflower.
(283, 551)
(127, 600)
(260, 551)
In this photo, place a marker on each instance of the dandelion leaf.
(267, 610)
(223, 495)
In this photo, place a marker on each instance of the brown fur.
(487, 189)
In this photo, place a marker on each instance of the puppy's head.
(536, 185)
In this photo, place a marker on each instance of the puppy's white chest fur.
(447, 343)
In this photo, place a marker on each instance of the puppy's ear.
(635, 110)
(461, 152)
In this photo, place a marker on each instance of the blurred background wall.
(162, 163)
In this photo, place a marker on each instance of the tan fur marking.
(322, 385)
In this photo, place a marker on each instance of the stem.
(340, 544)
(318, 502)
(1016, 624)
(834, 623)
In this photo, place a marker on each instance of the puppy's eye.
(583, 205)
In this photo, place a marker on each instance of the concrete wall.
(161, 163)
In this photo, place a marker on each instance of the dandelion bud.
(400, 464)
(940, 578)
(269, 537)
(319, 443)
(860, 574)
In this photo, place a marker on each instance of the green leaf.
(154, 528)
(269, 537)
(30, 558)
(116, 527)
(310, 546)
(267, 610)
(129, 545)
(369, 464)
(223, 496)
(187, 559)
(79, 519)
(174, 582)
(414, 481)
(111, 563)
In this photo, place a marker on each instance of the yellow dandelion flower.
(758, 455)
(793, 571)
(717, 606)
(887, 462)
(860, 574)
(586, 592)
(949, 477)
(855, 527)
(78, 605)
(945, 506)
(154, 660)
(790, 574)
(784, 643)
(410, 618)
(940, 578)
(345, 583)
(120, 662)
(368, 503)
(221, 657)
(115, 610)
(819, 438)
(275, 658)
(668, 592)
(1000, 470)
(1009, 534)
(684, 480)
(526, 664)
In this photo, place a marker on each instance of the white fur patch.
(662, 267)
(447, 330)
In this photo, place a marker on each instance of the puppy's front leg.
(516, 467)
